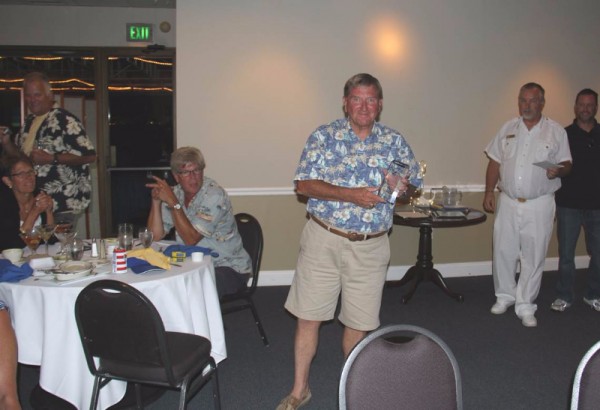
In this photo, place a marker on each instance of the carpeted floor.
(503, 364)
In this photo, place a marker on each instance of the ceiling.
(160, 4)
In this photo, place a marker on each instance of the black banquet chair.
(586, 385)
(400, 367)
(123, 331)
(252, 239)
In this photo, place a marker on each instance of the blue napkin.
(138, 265)
(188, 249)
(13, 273)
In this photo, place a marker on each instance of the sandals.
(292, 403)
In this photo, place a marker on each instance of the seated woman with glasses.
(22, 206)
(202, 215)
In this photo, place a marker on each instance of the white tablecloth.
(43, 316)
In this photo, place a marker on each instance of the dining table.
(42, 314)
(426, 220)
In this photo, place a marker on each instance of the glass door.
(140, 97)
(125, 99)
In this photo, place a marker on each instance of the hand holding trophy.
(392, 181)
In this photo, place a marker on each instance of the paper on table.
(410, 214)
(547, 165)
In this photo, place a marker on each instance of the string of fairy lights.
(76, 84)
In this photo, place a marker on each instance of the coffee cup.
(13, 254)
(110, 244)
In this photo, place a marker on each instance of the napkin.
(42, 263)
(151, 256)
(13, 273)
(138, 265)
(188, 249)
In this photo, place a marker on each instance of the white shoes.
(529, 321)
(594, 303)
(501, 306)
(559, 305)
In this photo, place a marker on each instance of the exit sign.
(141, 32)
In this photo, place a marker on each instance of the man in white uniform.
(524, 221)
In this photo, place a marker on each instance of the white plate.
(70, 276)
(73, 270)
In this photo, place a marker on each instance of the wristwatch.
(55, 160)
(177, 206)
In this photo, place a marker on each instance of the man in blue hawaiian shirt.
(344, 248)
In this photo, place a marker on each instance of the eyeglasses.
(24, 174)
(357, 101)
(187, 173)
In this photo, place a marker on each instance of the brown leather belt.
(351, 236)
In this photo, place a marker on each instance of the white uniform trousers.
(522, 232)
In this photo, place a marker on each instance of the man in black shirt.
(578, 204)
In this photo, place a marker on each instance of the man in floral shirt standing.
(57, 144)
(344, 246)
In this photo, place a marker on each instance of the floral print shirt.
(336, 155)
(210, 212)
(69, 186)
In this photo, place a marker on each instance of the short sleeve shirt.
(336, 155)
(211, 214)
(516, 149)
(69, 186)
(578, 189)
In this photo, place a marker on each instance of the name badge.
(510, 136)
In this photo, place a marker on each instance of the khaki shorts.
(328, 265)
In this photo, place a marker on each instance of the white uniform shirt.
(516, 149)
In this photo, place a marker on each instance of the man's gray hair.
(37, 76)
(365, 80)
(186, 155)
(531, 86)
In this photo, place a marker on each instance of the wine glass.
(32, 238)
(47, 231)
(64, 232)
(145, 236)
(65, 229)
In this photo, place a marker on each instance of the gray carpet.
(503, 364)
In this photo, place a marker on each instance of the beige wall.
(283, 217)
(79, 26)
(255, 78)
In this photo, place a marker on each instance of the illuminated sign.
(139, 32)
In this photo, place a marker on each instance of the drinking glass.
(75, 248)
(64, 232)
(47, 231)
(32, 238)
(145, 236)
(125, 236)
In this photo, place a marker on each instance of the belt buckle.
(355, 236)
(521, 200)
